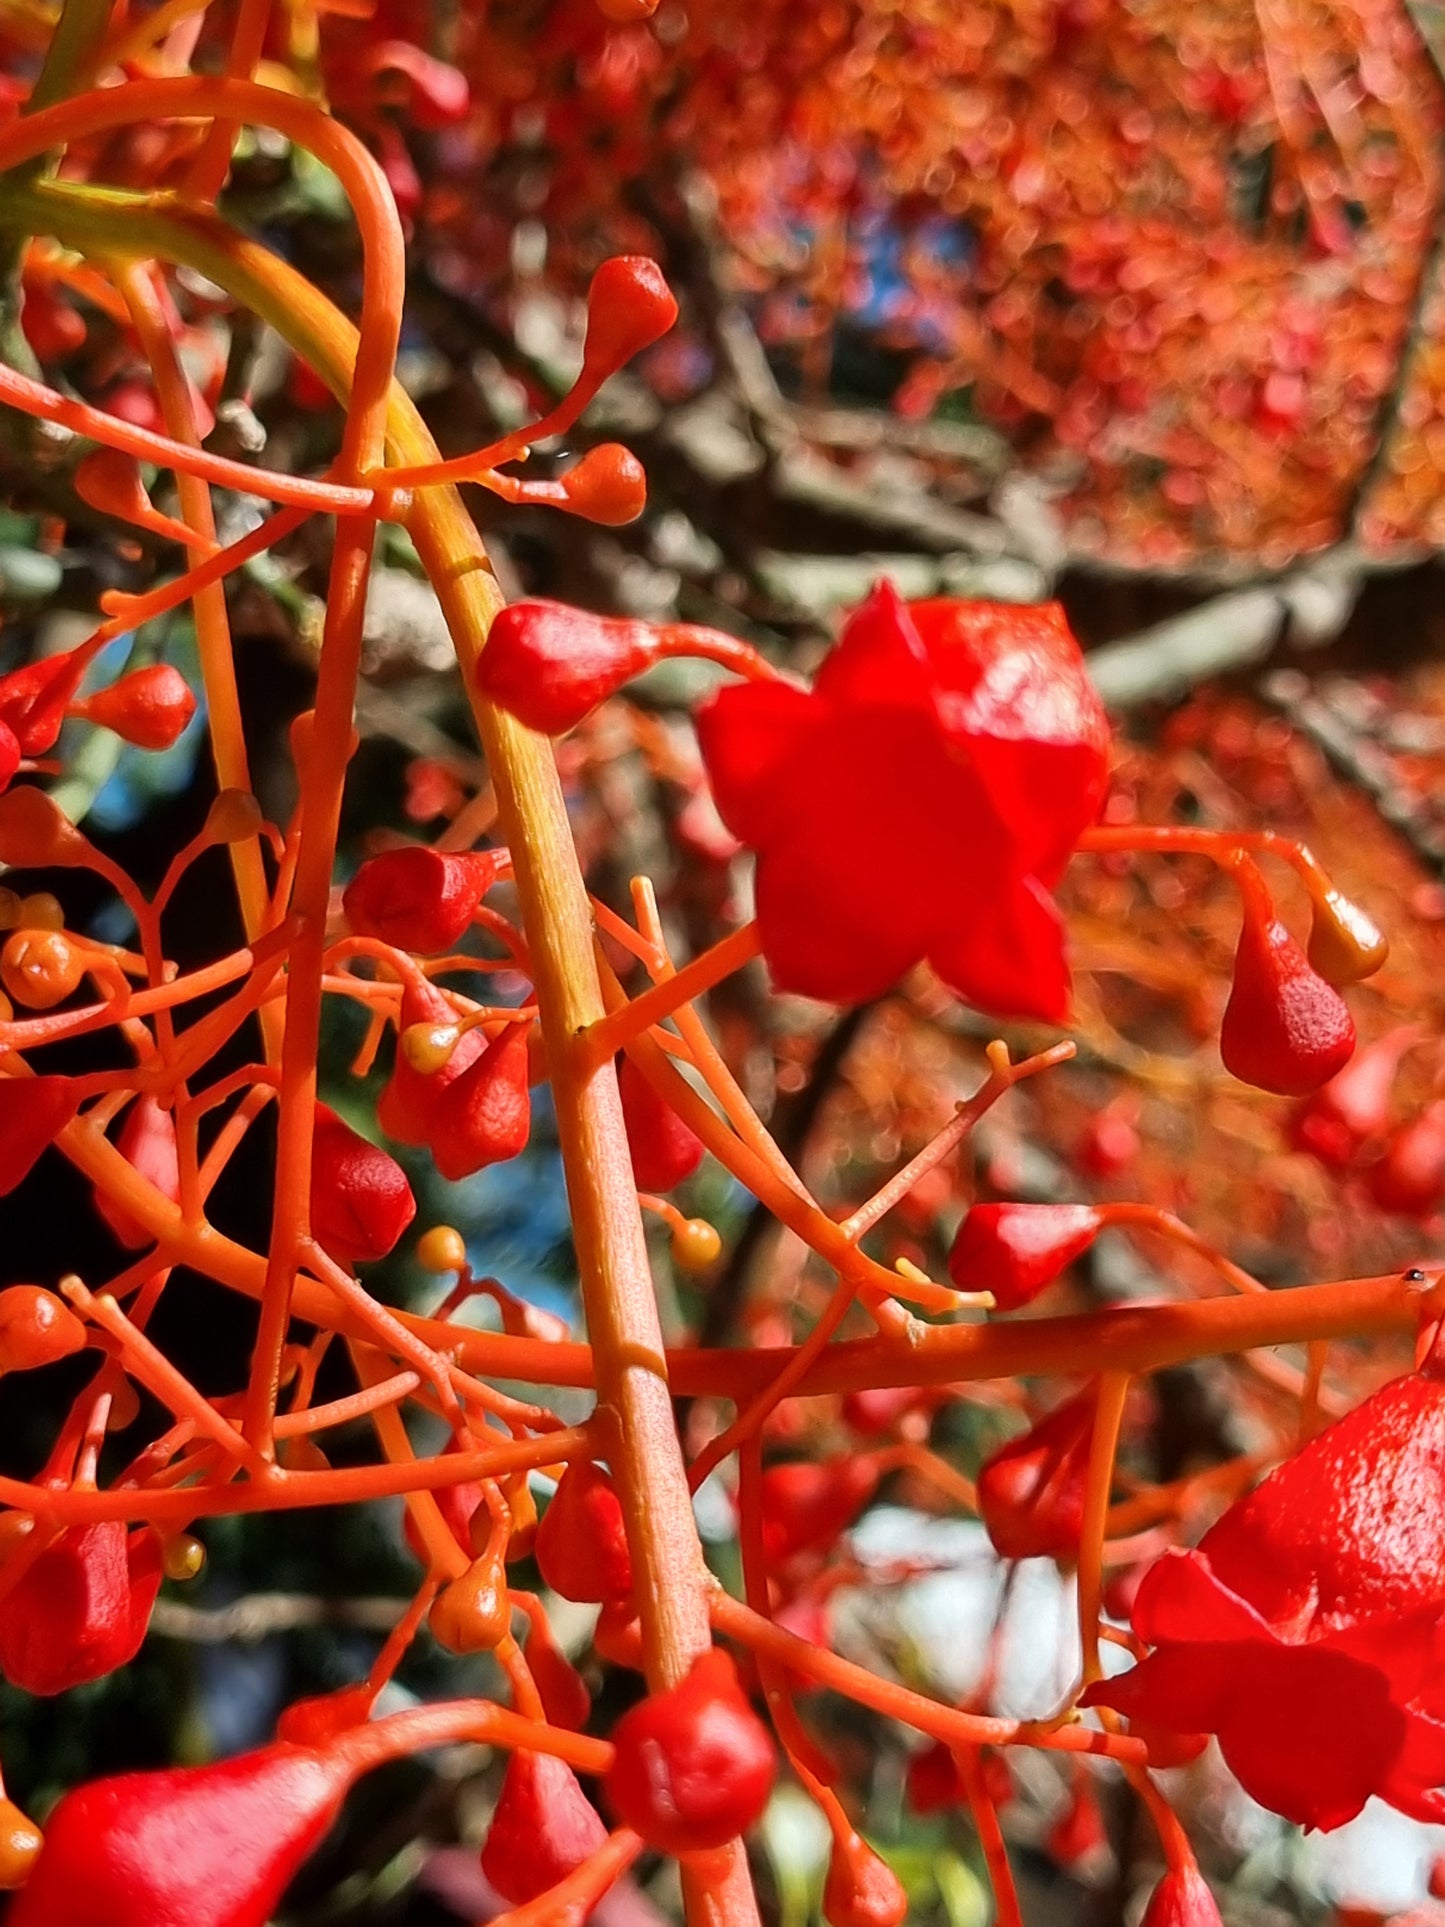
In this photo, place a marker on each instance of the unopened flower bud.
(40, 968)
(36, 1328)
(608, 486)
(149, 708)
(629, 306)
(548, 664)
(36, 834)
(1346, 945)
(233, 816)
(442, 1249)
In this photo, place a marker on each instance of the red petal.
(879, 660)
(1181, 1599)
(748, 734)
(1340, 1530)
(1005, 952)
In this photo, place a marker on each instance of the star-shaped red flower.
(921, 800)
(1306, 1630)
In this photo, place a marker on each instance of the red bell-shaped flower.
(33, 1113)
(407, 1107)
(485, 1115)
(1343, 1116)
(420, 899)
(360, 1199)
(921, 801)
(1031, 1491)
(543, 1829)
(629, 306)
(861, 1889)
(212, 1846)
(808, 1503)
(81, 1609)
(1017, 1250)
(1182, 1899)
(664, 1150)
(548, 664)
(148, 1141)
(581, 1545)
(1285, 1029)
(36, 1328)
(1410, 1177)
(563, 1690)
(150, 708)
(35, 697)
(693, 1766)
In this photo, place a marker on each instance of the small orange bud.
(40, 969)
(608, 486)
(442, 1249)
(36, 1328)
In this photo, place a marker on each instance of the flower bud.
(1031, 1491)
(806, 1504)
(34, 698)
(696, 1245)
(33, 1113)
(360, 1199)
(694, 1765)
(1182, 1899)
(315, 1720)
(564, 1692)
(233, 816)
(40, 968)
(608, 486)
(543, 1829)
(150, 708)
(485, 1115)
(419, 899)
(617, 1636)
(861, 1889)
(210, 1846)
(1285, 1029)
(147, 1140)
(629, 306)
(548, 664)
(1016, 1251)
(442, 1249)
(1410, 1177)
(109, 481)
(473, 1614)
(51, 326)
(1078, 1834)
(20, 1844)
(36, 1328)
(36, 834)
(1343, 1116)
(581, 1547)
(933, 1782)
(665, 1151)
(1345, 946)
(81, 1609)
(406, 1109)
(183, 1557)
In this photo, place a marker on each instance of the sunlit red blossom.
(543, 1827)
(1017, 1250)
(214, 1846)
(1031, 1490)
(81, 1609)
(920, 801)
(1305, 1631)
(694, 1765)
(147, 1140)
